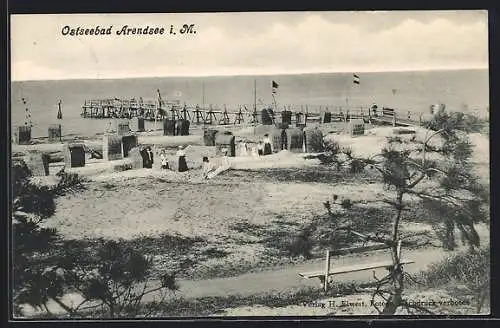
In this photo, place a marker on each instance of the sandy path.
(286, 278)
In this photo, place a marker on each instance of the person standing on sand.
(225, 159)
(267, 145)
(146, 161)
(181, 154)
(260, 148)
(150, 157)
(163, 159)
(144, 156)
(253, 151)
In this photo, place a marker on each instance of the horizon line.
(262, 74)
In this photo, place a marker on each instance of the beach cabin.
(136, 158)
(356, 127)
(112, 147)
(55, 132)
(37, 162)
(295, 139)
(225, 141)
(185, 127)
(300, 120)
(129, 142)
(137, 124)
(74, 155)
(209, 137)
(286, 117)
(168, 127)
(326, 117)
(267, 116)
(122, 127)
(278, 139)
(23, 135)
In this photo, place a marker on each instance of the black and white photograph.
(249, 164)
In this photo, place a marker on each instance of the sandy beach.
(238, 214)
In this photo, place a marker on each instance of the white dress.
(163, 159)
(206, 169)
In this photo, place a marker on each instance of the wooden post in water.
(59, 112)
(327, 270)
(210, 114)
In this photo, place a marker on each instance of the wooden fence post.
(327, 270)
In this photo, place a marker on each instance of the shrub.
(347, 151)
(356, 166)
(36, 279)
(332, 150)
(470, 269)
(346, 203)
(113, 275)
(301, 245)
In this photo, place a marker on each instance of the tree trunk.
(397, 274)
(396, 298)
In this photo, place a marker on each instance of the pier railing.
(238, 113)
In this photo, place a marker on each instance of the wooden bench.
(352, 268)
(327, 272)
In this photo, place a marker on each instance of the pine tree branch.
(415, 182)
(452, 200)
(386, 241)
(64, 306)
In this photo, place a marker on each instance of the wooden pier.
(239, 114)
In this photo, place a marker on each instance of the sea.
(460, 90)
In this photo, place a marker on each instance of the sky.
(247, 44)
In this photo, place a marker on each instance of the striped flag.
(275, 87)
(355, 78)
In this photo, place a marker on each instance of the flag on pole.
(355, 78)
(275, 87)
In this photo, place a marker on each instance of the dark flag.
(275, 87)
(355, 78)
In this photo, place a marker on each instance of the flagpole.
(254, 103)
(274, 86)
(355, 80)
(157, 108)
(347, 100)
(156, 111)
(255, 95)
